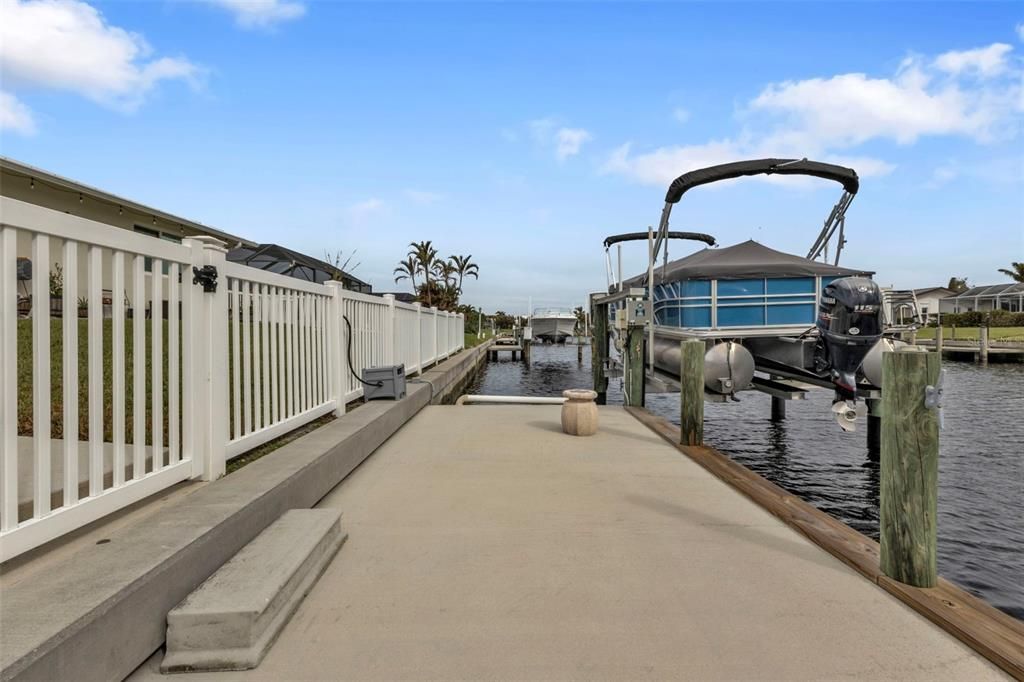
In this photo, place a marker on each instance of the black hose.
(348, 354)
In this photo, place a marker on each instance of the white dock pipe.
(508, 400)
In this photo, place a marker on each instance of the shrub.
(977, 318)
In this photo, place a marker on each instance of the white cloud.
(565, 141)
(985, 61)
(261, 13)
(974, 93)
(422, 196)
(681, 115)
(1020, 32)
(662, 165)
(569, 141)
(68, 45)
(15, 116)
(852, 108)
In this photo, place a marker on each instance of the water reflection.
(981, 465)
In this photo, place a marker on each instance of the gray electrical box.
(391, 380)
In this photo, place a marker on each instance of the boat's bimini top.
(847, 177)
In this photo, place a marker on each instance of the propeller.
(848, 413)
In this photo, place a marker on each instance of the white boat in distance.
(552, 324)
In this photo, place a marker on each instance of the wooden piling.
(874, 430)
(633, 383)
(983, 333)
(599, 351)
(579, 350)
(691, 392)
(909, 468)
(778, 407)
(938, 339)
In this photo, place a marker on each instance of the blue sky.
(524, 133)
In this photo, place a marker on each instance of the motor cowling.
(849, 325)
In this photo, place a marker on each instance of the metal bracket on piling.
(933, 396)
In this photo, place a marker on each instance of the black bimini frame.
(836, 220)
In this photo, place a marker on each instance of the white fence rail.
(156, 380)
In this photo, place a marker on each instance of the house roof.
(992, 290)
(744, 260)
(39, 175)
(928, 290)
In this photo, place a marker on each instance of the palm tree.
(407, 269)
(464, 267)
(425, 255)
(1016, 273)
(446, 273)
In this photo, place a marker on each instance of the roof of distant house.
(945, 291)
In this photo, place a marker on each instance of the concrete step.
(231, 620)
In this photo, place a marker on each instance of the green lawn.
(972, 333)
(471, 340)
(57, 426)
(25, 415)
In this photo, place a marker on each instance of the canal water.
(981, 464)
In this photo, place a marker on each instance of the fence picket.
(234, 296)
(173, 366)
(246, 357)
(257, 378)
(265, 355)
(70, 418)
(41, 375)
(138, 367)
(8, 378)
(95, 370)
(157, 366)
(117, 375)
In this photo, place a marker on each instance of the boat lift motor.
(849, 325)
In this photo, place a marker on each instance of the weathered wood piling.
(599, 351)
(909, 467)
(691, 392)
(633, 358)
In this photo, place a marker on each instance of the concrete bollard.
(579, 412)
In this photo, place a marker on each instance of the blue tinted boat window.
(740, 316)
(790, 314)
(740, 287)
(696, 287)
(696, 317)
(791, 285)
(669, 316)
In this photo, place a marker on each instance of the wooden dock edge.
(995, 635)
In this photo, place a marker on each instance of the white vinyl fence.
(134, 378)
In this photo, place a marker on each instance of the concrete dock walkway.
(484, 544)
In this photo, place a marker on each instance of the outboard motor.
(849, 325)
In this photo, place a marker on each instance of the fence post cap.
(207, 241)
